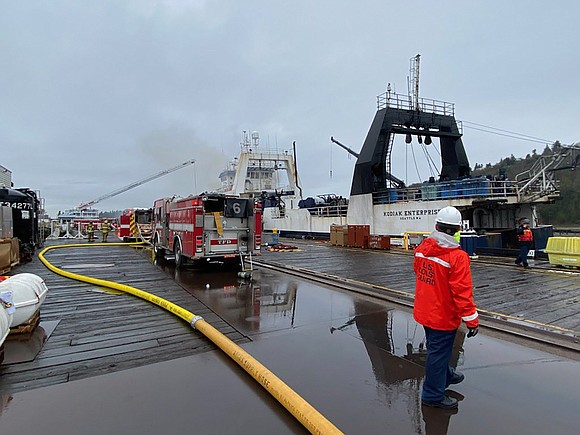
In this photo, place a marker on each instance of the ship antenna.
(413, 82)
(245, 140)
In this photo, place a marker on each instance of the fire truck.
(207, 228)
(135, 224)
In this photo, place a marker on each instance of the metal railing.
(468, 188)
(540, 179)
(405, 102)
(320, 211)
(329, 210)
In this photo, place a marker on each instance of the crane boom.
(351, 152)
(86, 205)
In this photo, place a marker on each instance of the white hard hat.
(449, 215)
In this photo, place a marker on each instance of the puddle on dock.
(357, 361)
(87, 266)
(304, 322)
(24, 348)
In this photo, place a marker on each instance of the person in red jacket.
(525, 240)
(443, 299)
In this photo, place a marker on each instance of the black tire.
(158, 251)
(178, 254)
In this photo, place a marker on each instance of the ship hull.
(395, 218)
(300, 222)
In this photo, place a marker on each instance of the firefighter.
(91, 232)
(443, 299)
(105, 229)
(525, 240)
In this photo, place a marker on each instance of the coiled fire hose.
(305, 413)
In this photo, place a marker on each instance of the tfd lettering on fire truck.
(224, 242)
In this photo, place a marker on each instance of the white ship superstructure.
(259, 170)
(271, 174)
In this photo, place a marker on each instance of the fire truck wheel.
(178, 255)
(158, 250)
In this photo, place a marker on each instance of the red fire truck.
(135, 224)
(208, 228)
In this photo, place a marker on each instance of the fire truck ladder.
(135, 184)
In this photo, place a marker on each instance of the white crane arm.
(86, 205)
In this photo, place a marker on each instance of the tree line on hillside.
(566, 211)
(112, 214)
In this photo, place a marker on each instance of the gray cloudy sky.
(98, 94)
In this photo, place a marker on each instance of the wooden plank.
(40, 380)
(42, 362)
(538, 294)
(101, 333)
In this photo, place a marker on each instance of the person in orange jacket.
(525, 240)
(443, 299)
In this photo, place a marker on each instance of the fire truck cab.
(208, 228)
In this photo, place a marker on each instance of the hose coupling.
(194, 320)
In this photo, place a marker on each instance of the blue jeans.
(523, 257)
(438, 373)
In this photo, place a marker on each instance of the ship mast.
(413, 82)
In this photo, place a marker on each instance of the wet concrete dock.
(356, 359)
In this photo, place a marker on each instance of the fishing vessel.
(381, 200)
(271, 174)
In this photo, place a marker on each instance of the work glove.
(472, 332)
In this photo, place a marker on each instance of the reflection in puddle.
(25, 348)
(437, 420)
(5, 399)
(87, 266)
(392, 340)
(257, 305)
(396, 348)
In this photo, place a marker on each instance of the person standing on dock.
(91, 232)
(525, 240)
(105, 229)
(443, 299)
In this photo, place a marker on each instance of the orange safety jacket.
(526, 235)
(443, 292)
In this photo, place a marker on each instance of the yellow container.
(564, 251)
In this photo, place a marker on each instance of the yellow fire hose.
(305, 413)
